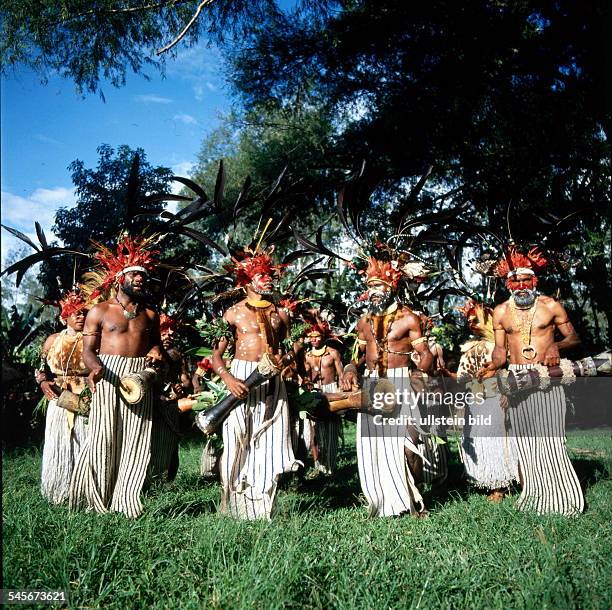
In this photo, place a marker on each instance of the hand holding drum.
(134, 386)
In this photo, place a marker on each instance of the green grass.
(320, 551)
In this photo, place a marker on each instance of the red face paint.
(522, 283)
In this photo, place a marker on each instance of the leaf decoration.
(165, 197)
(22, 266)
(200, 237)
(133, 189)
(219, 186)
(41, 235)
(272, 197)
(241, 200)
(194, 186)
(21, 236)
(295, 255)
(323, 248)
(404, 208)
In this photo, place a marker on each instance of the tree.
(87, 41)
(504, 99)
(101, 209)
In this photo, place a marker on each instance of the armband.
(564, 322)
(362, 341)
(350, 368)
(93, 333)
(419, 341)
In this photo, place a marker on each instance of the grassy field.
(321, 551)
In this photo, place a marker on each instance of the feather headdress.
(131, 254)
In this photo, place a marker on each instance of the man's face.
(76, 321)
(316, 341)
(135, 284)
(523, 289)
(380, 296)
(262, 284)
(167, 338)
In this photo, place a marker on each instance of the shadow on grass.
(185, 508)
(590, 471)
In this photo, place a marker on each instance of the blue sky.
(47, 126)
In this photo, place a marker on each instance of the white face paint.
(380, 296)
(262, 284)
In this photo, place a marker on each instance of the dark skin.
(114, 334)
(330, 364)
(75, 324)
(550, 316)
(403, 332)
(248, 343)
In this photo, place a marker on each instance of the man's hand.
(235, 386)
(348, 381)
(488, 370)
(48, 391)
(154, 356)
(93, 378)
(551, 356)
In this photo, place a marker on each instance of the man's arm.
(42, 378)
(338, 363)
(92, 333)
(349, 379)
(156, 350)
(419, 343)
(498, 357)
(570, 336)
(235, 386)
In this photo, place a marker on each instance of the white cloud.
(21, 212)
(183, 168)
(41, 137)
(201, 67)
(152, 98)
(185, 118)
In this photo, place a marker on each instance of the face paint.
(380, 297)
(316, 341)
(262, 284)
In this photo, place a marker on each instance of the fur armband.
(419, 341)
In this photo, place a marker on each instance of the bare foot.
(496, 496)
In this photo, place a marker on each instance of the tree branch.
(116, 11)
(185, 29)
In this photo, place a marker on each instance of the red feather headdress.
(514, 262)
(132, 254)
(383, 271)
(166, 323)
(71, 303)
(318, 328)
(250, 264)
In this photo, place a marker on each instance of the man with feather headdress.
(389, 334)
(257, 433)
(121, 336)
(525, 327)
(323, 368)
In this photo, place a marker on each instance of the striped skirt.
(65, 434)
(386, 480)
(164, 441)
(256, 448)
(111, 469)
(323, 433)
(490, 461)
(549, 481)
